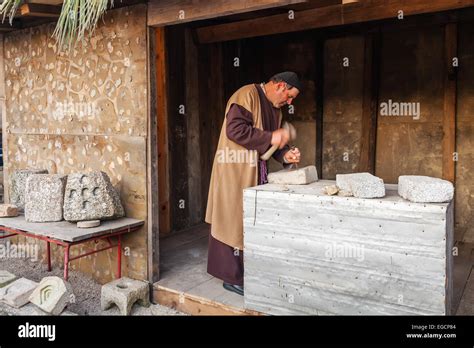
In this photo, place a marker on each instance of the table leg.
(48, 248)
(119, 257)
(66, 262)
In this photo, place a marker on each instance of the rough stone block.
(300, 176)
(52, 295)
(425, 189)
(124, 292)
(6, 278)
(44, 197)
(18, 185)
(361, 185)
(17, 293)
(91, 196)
(8, 210)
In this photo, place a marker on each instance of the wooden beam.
(162, 133)
(153, 207)
(449, 116)
(166, 12)
(195, 305)
(40, 10)
(319, 83)
(329, 16)
(370, 103)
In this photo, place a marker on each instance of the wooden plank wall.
(343, 105)
(464, 216)
(412, 62)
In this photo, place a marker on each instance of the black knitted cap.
(290, 78)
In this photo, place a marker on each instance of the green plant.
(77, 18)
(9, 7)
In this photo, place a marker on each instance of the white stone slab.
(17, 293)
(425, 189)
(300, 176)
(309, 253)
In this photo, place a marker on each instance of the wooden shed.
(160, 73)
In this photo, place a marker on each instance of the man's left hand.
(293, 156)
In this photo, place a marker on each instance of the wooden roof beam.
(167, 12)
(40, 10)
(344, 13)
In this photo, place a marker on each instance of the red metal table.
(67, 235)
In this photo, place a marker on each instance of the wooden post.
(3, 111)
(370, 103)
(153, 222)
(162, 132)
(319, 83)
(449, 116)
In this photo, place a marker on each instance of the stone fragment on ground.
(17, 293)
(300, 176)
(18, 185)
(52, 295)
(91, 196)
(360, 185)
(6, 278)
(425, 189)
(44, 197)
(8, 210)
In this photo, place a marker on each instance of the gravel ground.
(86, 290)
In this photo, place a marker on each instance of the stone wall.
(82, 111)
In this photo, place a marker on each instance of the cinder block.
(44, 197)
(425, 189)
(52, 295)
(361, 185)
(17, 293)
(300, 176)
(18, 185)
(124, 292)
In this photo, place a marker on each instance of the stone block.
(52, 295)
(425, 189)
(8, 210)
(300, 176)
(17, 293)
(44, 197)
(124, 292)
(18, 185)
(91, 196)
(6, 278)
(361, 185)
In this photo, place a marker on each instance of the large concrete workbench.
(309, 253)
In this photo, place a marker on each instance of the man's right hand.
(280, 137)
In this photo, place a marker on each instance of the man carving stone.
(252, 123)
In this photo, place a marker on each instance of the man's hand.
(280, 137)
(293, 156)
